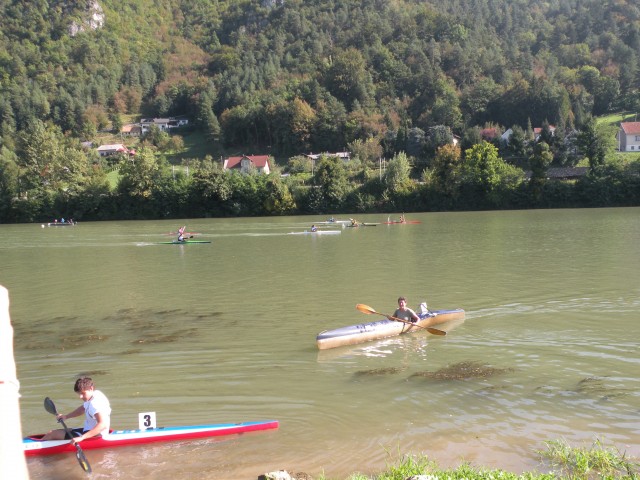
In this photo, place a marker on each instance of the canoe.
(60, 224)
(120, 438)
(176, 242)
(408, 222)
(333, 222)
(363, 225)
(317, 232)
(365, 332)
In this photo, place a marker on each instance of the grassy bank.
(560, 460)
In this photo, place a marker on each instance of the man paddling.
(181, 233)
(405, 313)
(97, 412)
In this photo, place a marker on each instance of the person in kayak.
(181, 233)
(314, 228)
(405, 313)
(97, 412)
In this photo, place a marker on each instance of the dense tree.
(594, 144)
(446, 169)
(487, 175)
(539, 161)
(331, 185)
(294, 77)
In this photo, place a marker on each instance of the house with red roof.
(629, 137)
(537, 132)
(112, 149)
(261, 163)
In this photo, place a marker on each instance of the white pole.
(12, 461)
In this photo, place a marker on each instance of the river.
(225, 332)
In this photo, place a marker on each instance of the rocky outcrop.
(93, 19)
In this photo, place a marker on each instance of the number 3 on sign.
(147, 420)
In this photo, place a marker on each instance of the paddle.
(82, 460)
(368, 310)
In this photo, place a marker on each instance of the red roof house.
(244, 163)
(629, 137)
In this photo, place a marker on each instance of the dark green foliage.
(295, 77)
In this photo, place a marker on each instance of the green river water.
(225, 332)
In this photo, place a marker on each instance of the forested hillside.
(380, 78)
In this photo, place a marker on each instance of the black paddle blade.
(49, 406)
(82, 460)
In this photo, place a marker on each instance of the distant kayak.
(317, 232)
(333, 222)
(410, 222)
(61, 224)
(363, 225)
(176, 242)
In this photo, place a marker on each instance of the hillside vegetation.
(377, 78)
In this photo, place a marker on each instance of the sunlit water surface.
(225, 332)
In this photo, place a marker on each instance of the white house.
(629, 137)
(246, 162)
(112, 149)
(164, 124)
(345, 156)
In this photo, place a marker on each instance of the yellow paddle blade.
(365, 308)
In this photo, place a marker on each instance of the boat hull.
(365, 332)
(317, 232)
(406, 222)
(175, 242)
(120, 438)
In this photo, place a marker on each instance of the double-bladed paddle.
(82, 460)
(368, 310)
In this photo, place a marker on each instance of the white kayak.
(364, 332)
(317, 232)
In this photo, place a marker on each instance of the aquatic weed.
(588, 463)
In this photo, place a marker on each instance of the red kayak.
(33, 445)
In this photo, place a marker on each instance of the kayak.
(408, 222)
(120, 438)
(317, 232)
(176, 242)
(365, 332)
(333, 222)
(61, 224)
(363, 225)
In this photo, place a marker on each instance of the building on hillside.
(261, 163)
(131, 130)
(629, 137)
(112, 149)
(537, 132)
(345, 156)
(164, 124)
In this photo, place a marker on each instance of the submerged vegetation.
(559, 460)
(462, 371)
